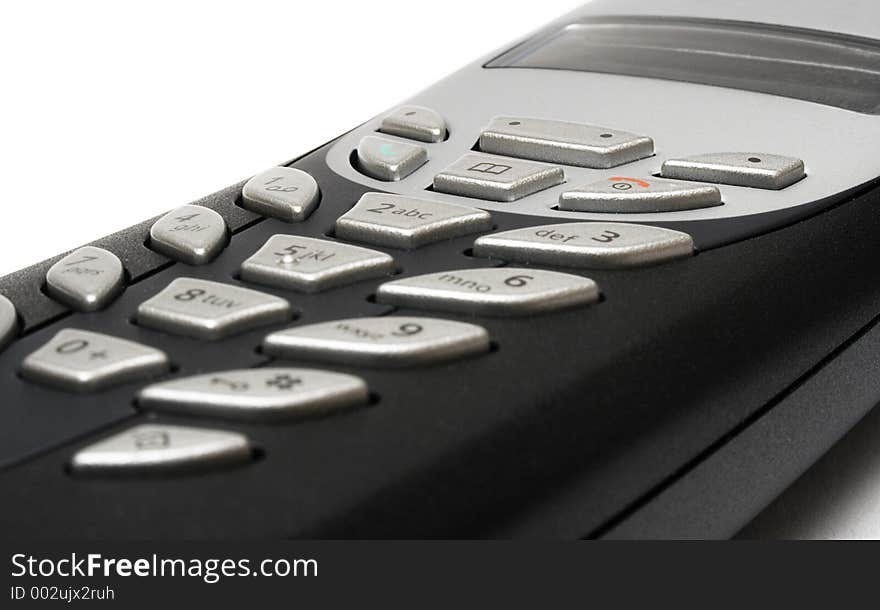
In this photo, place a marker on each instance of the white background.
(113, 112)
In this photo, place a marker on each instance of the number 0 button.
(83, 361)
(504, 291)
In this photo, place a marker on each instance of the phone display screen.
(821, 67)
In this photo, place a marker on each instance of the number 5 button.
(588, 245)
(380, 341)
(504, 291)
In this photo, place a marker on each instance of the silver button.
(161, 449)
(311, 265)
(380, 341)
(83, 361)
(758, 170)
(191, 234)
(504, 291)
(563, 142)
(285, 193)
(416, 123)
(633, 195)
(257, 394)
(210, 310)
(87, 279)
(8, 321)
(496, 178)
(404, 222)
(588, 245)
(389, 160)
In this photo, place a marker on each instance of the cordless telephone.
(619, 279)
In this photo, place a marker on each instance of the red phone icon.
(641, 183)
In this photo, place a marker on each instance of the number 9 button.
(390, 341)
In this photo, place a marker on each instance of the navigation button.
(625, 195)
(757, 170)
(496, 178)
(257, 394)
(380, 341)
(161, 449)
(286, 193)
(84, 361)
(311, 265)
(588, 245)
(415, 123)
(404, 222)
(87, 279)
(192, 234)
(563, 142)
(210, 310)
(505, 291)
(389, 160)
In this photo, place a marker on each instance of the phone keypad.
(624, 195)
(210, 310)
(563, 142)
(587, 245)
(408, 223)
(285, 193)
(161, 449)
(8, 321)
(384, 341)
(506, 291)
(415, 123)
(262, 394)
(389, 160)
(310, 265)
(191, 234)
(757, 170)
(87, 279)
(84, 361)
(496, 178)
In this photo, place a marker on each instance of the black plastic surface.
(574, 420)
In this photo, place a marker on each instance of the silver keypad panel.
(563, 142)
(257, 394)
(380, 341)
(505, 291)
(210, 310)
(389, 160)
(306, 264)
(191, 234)
(415, 123)
(620, 194)
(161, 449)
(87, 279)
(407, 222)
(8, 321)
(285, 193)
(496, 178)
(84, 361)
(587, 245)
(756, 170)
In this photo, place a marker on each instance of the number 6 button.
(496, 291)
(380, 341)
